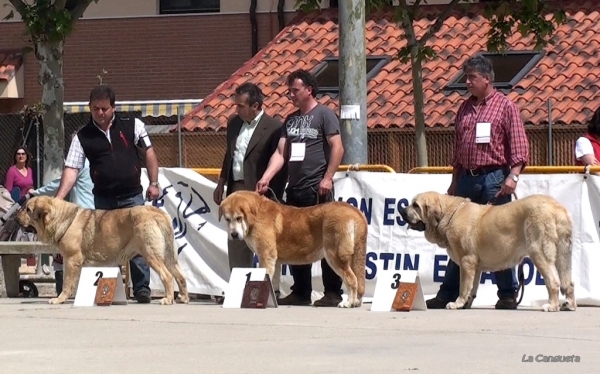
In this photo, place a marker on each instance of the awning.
(12, 80)
(157, 108)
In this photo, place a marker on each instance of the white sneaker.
(46, 269)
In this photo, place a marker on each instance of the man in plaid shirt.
(490, 152)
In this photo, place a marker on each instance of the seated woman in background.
(587, 147)
(19, 174)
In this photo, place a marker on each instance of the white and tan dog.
(105, 237)
(281, 234)
(492, 238)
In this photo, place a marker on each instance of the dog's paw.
(357, 303)
(55, 300)
(566, 306)
(183, 299)
(550, 308)
(453, 306)
(344, 304)
(166, 301)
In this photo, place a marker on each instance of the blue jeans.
(480, 189)
(140, 271)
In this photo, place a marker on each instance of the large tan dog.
(105, 237)
(492, 238)
(280, 233)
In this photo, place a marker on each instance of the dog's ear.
(41, 213)
(432, 212)
(249, 212)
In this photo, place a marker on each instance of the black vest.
(115, 167)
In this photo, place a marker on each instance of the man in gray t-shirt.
(308, 132)
(312, 145)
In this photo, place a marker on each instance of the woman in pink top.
(20, 174)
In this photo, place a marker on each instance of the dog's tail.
(360, 254)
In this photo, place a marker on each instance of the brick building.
(150, 49)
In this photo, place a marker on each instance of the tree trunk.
(417, 76)
(51, 79)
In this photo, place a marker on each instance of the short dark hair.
(480, 64)
(307, 79)
(594, 124)
(103, 92)
(254, 93)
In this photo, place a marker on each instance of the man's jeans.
(140, 271)
(302, 274)
(481, 190)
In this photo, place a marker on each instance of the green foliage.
(528, 15)
(44, 21)
(30, 112)
(503, 15)
(48, 20)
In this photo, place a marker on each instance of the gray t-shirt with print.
(311, 129)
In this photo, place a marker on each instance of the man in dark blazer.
(252, 137)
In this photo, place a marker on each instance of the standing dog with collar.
(492, 238)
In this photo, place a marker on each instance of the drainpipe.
(254, 27)
(280, 14)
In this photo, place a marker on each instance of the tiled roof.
(10, 62)
(568, 74)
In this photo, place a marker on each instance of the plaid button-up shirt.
(508, 144)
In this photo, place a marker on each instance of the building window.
(189, 6)
(509, 69)
(328, 72)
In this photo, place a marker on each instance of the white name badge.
(483, 132)
(298, 151)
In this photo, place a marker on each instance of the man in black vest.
(111, 144)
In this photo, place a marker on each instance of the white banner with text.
(202, 241)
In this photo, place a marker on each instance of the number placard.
(402, 283)
(237, 284)
(88, 285)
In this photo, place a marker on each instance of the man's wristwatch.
(155, 184)
(513, 177)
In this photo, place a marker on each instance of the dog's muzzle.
(418, 226)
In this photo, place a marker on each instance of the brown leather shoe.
(294, 299)
(436, 303)
(507, 303)
(329, 300)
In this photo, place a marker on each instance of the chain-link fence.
(549, 144)
(397, 147)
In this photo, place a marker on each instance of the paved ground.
(204, 338)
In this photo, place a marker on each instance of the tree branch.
(407, 23)
(438, 22)
(81, 6)
(19, 6)
(416, 6)
(60, 4)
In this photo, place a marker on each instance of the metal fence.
(549, 144)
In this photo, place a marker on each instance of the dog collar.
(453, 213)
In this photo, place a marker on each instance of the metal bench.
(10, 256)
